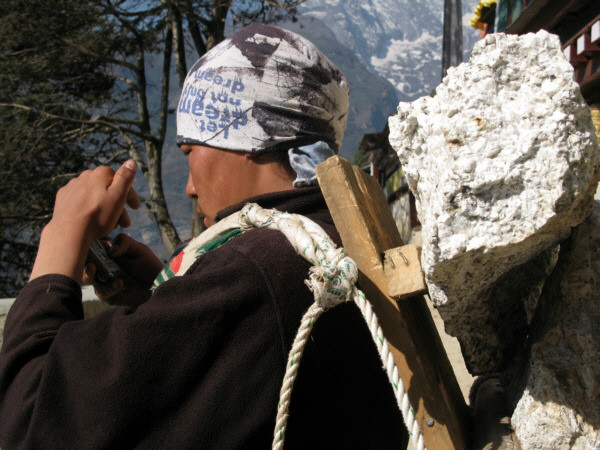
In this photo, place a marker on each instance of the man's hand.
(139, 267)
(88, 207)
(94, 202)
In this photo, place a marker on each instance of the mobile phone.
(106, 268)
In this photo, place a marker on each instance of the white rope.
(390, 367)
(285, 394)
(332, 280)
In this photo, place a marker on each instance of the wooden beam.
(595, 32)
(572, 56)
(586, 47)
(403, 272)
(367, 229)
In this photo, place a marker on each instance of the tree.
(47, 89)
(164, 28)
(56, 97)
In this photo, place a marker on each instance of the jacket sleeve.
(178, 372)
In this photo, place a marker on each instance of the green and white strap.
(212, 238)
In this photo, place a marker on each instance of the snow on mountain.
(413, 67)
(372, 97)
(400, 40)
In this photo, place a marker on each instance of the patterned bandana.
(263, 89)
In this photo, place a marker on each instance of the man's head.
(220, 178)
(264, 91)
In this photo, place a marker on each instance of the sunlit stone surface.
(559, 407)
(503, 161)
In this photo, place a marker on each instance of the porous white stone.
(503, 160)
(560, 405)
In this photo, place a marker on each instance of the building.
(575, 22)
(385, 167)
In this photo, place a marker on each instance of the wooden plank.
(367, 229)
(384, 232)
(403, 272)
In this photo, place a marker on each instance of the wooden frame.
(364, 221)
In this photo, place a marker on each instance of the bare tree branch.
(124, 79)
(147, 12)
(23, 218)
(194, 28)
(87, 51)
(176, 27)
(135, 154)
(285, 5)
(104, 117)
(107, 121)
(164, 91)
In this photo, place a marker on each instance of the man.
(199, 362)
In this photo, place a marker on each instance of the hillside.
(372, 98)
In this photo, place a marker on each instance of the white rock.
(559, 407)
(502, 161)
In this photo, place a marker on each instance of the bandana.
(305, 159)
(264, 89)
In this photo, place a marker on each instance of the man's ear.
(259, 156)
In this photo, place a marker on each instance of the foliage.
(75, 92)
(47, 88)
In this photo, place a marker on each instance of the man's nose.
(190, 190)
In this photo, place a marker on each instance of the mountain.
(372, 97)
(390, 51)
(400, 40)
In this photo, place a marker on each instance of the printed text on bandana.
(215, 108)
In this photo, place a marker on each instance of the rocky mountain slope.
(400, 40)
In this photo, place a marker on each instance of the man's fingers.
(89, 274)
(105, 291)
(123, 179)
(118, 193)
(124, 221)
(120, 246)
(132, 199)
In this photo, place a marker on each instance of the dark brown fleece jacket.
(200, 364)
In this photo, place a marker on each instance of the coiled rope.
(332, 280)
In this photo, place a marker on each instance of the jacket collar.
(298, 201)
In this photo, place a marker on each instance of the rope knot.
(332, 282)
(333, 275)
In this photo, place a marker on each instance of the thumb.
(120, 246)
(123, 179)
